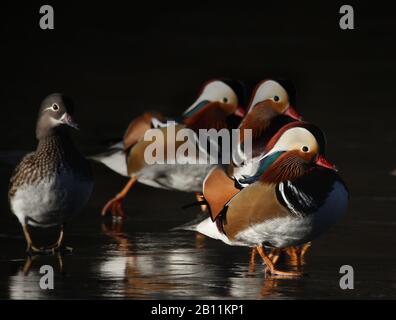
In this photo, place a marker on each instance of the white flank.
(115, 160)
(280, 232)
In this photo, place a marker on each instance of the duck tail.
(191, 225)
(114, 158)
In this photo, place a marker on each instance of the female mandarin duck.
(218, 106)
(293, 196)
(52, 184)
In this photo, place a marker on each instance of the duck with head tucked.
(270, 108)
(218, 106)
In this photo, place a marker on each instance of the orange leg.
(199, 197)
(115, 204)
(274, 256)
(252, 261)
(271, 266)
(296, 254)
(304, 249)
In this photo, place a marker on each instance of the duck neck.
(57, 143)
(263, 131)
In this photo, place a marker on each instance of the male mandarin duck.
(269, 109)
(217, 106)
(296, 196)
(52, 184)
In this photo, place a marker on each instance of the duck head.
(55, 114)
(218, 100)
(295, 150)
(270, 99)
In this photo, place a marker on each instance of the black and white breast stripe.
(307, 194)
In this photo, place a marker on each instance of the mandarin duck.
(271, 107)
(53, 183)
(218, 106)
(293, 196)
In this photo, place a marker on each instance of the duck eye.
(276, 98)
(225, 100)
(305, 149)
(55, 107)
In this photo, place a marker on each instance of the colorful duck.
(217, 106)
(269, 109)
(294, 195)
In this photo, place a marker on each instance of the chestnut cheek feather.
(289, 166)
(257, 127)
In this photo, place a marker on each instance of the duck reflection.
(25, 284)
(150, 266)
(142, 268)
(31, 258)
(253, 283)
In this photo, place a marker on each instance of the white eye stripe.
(53, 107)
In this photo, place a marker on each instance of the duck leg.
(115, 204)
(59, 244)
(304, 249)
(61, 264)
(252, 260)
(296, 254)
(293, 253)
(28, 264)
(31, 249)
(199, 196)
(271, 266)
(273, 255)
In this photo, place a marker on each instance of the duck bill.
(68, 120)
(292, 113)
(323, 162)
(240, 112)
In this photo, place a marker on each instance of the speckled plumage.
(56, 167)
(53, 154)
(53, 183)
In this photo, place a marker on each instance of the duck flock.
(274, 197)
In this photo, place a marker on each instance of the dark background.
(117, 60)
